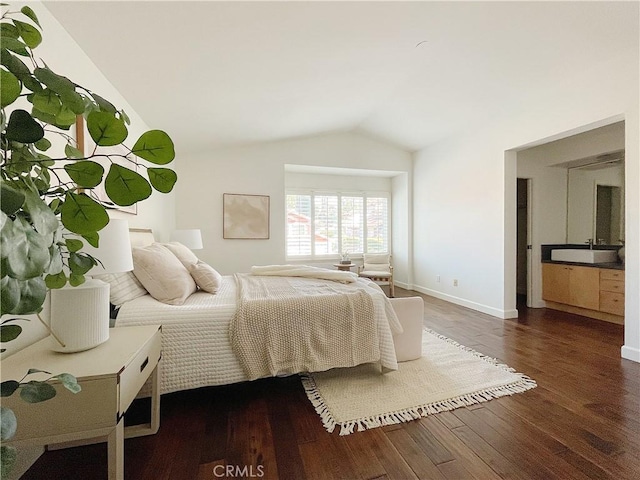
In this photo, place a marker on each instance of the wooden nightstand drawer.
(136, 373)
(612, 302)
(67, 413)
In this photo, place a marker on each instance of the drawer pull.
(144, 364)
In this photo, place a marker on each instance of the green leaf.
(126, 187)
(58, 280)
(14, 45)
(72, 152)
(11, 88)
(31, 14)
(8, 422)
(76, 280)
(47, 101)
(9, 294)
(43, 144)
(29, 34)
(80, 263)
(42, 218)
(28, 295)
(29, 255)
(11, 200)
(105, 129)
(70, 382)
(85, 173)
(9, 332)
(65, 117)
(23, 128)
(8, 458)
(9, 30)
(162, 179)
(92, 239)
(105, 105)
(82, 215)
(73, 101)
(73, 244)
(14, 64)
(55, 82)
(36, 392)
(8, 387)
(155, 146)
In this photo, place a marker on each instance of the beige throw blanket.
(288, 325)
(304, 271)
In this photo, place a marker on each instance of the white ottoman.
(410, 312)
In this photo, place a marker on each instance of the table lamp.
(80, 315)
(190, 238)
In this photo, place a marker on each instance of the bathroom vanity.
(593, 290)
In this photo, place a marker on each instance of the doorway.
(522, 241)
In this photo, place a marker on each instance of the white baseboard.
(406, 286)
(494, 312)
(630, 353)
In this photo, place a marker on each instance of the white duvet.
(195, 336)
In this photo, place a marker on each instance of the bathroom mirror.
(595, 201)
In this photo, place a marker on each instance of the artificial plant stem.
(50, 330)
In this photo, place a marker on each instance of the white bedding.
(195, 336)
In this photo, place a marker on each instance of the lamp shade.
(114, 249)
(190, 238)
(80, 315)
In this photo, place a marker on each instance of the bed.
(198, 347)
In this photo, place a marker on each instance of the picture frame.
(86, 145)
(245, 216)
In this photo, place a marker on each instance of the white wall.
(64, 56)
(464, 190)
(260, 169)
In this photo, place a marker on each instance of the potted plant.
(47, 196)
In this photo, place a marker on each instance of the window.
(327, 224)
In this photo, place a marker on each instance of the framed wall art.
(245, 216)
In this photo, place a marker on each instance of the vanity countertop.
(611, 265)
(545, 255)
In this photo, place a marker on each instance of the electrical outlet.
(455, 282)
(437, 278)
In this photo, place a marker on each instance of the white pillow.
(124, 287)
(184, 254)
(162, 274)
(206, 277)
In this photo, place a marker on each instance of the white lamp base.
(80, 316)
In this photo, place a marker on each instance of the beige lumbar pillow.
(206, 277)
(162, 274)
(184, 254)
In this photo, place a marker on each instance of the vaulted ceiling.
(412, 73)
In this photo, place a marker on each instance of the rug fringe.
(406, 415)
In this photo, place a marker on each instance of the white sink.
(584, 255)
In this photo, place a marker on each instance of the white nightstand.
(110, 375)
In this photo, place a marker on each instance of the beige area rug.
(448, 376)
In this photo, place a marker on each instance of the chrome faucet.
(590, 242)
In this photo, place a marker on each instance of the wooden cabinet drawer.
(137, 371)
(608, 274)
(611, 286)
(612, 302)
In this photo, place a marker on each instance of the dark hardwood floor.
(582, 421)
